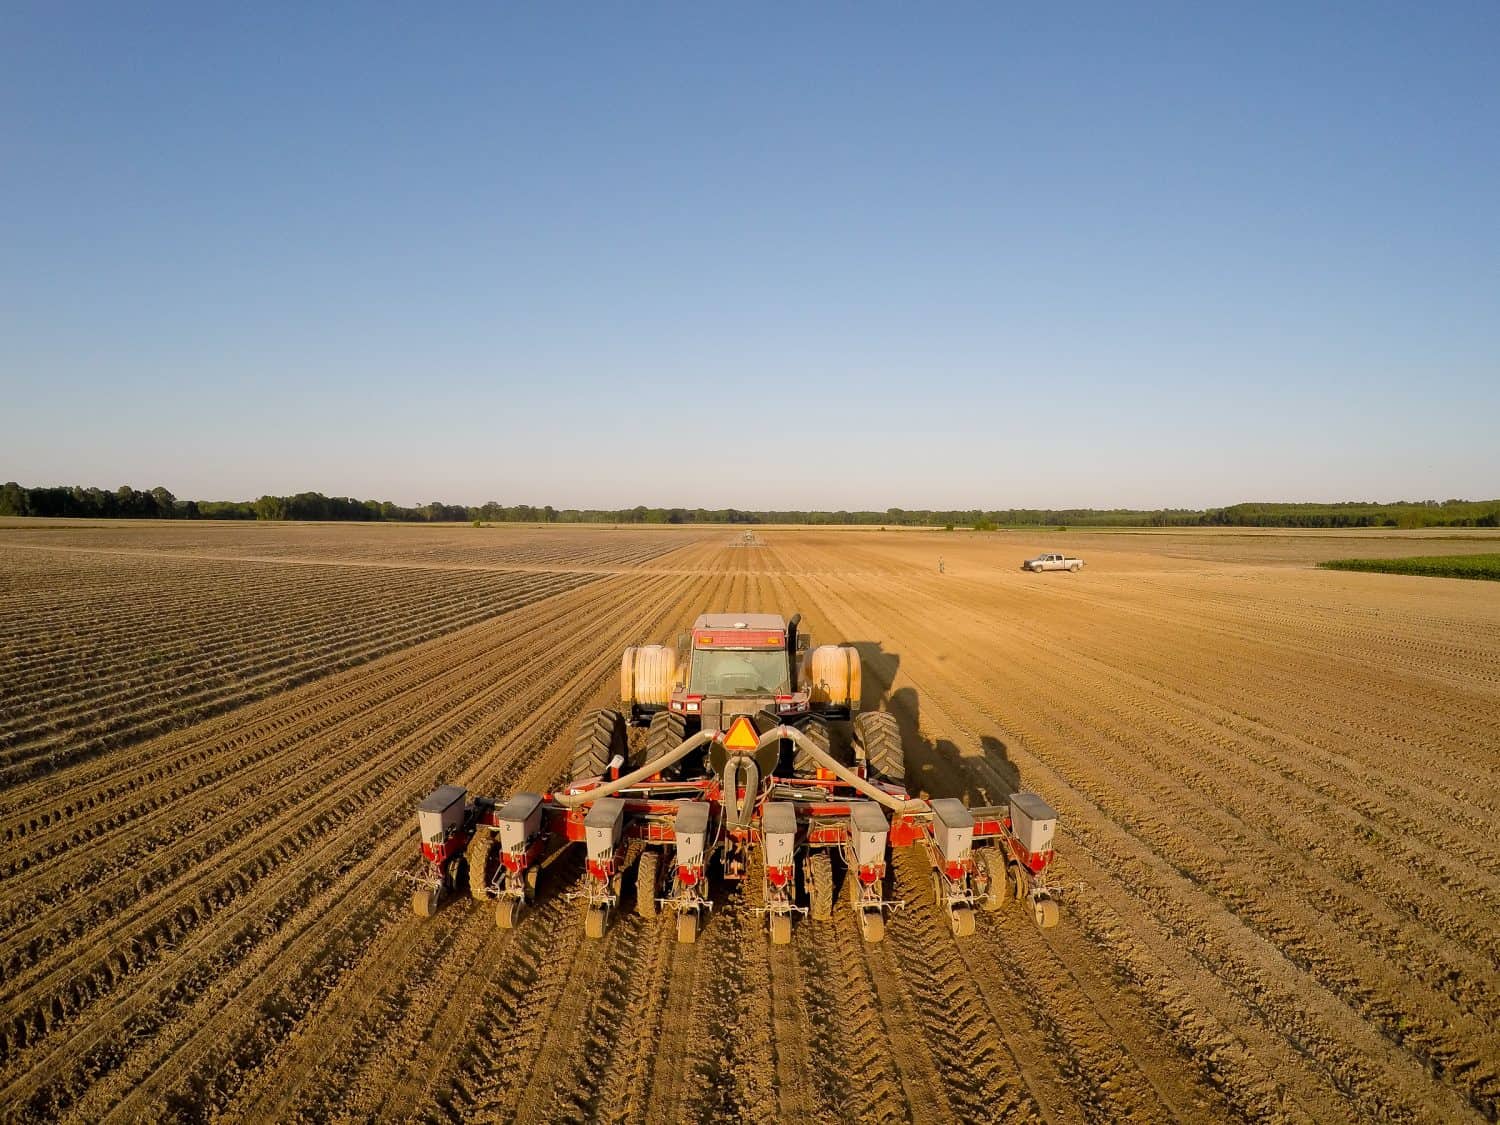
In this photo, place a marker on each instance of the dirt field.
(1279, 786)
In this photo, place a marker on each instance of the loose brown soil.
(1280, 789)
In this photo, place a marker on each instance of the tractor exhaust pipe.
(791, 647)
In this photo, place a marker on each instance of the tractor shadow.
(982, 775)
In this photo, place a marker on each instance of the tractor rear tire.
(664, 735)
(818, 875)
(879, 736)
(803, 763)
(601, 736)
(645, 883)
(478, 855)
(992, 862)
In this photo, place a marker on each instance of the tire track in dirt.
(927, 1007)
(1007, 1014)
(612, 999)
(89, 789)
(1241, 970)
(1373, 987)
(479, 1046)
(147, 705)
(100, 879)
(284, 806)
(259, 961)
(599, 658)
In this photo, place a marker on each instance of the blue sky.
(765, 256)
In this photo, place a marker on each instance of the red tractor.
(736, 777)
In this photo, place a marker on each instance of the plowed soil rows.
(107, 638)
(1279, 792)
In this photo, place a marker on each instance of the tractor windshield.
(739, 673)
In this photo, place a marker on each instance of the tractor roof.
(760, 621)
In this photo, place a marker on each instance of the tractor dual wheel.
(665, 734)
(803, 763)
(507, 912)
(878, 736)
(992, 862)
(646, 883)
(687, 927)
(601, 737)
(424, 901)
(817, 874)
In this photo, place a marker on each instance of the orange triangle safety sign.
(741, 735)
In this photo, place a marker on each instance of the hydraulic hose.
(704, 737)
(828, 761)
(635, 777)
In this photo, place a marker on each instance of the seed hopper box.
(868, 831)
(441, 812)
(952, 828)
(778, 825)
(1033, 821)
(603, 827)
(519, 819)
(690, 829)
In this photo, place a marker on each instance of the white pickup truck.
(1053, 562)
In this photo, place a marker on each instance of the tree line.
(126, 502)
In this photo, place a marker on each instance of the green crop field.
(1433, 566)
